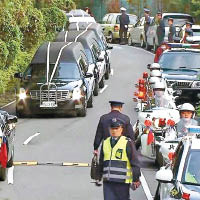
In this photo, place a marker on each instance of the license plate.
(48, 104)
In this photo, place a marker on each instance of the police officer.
(187, 112)
(119, 164)
(160, 28)
(124, 21)
(172, 30)
(103, 129)
(147, 21)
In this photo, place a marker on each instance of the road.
(71, 140)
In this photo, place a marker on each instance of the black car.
(56, 81)
(93, 52)
(7, 133)
(100, 38)
(181, 69)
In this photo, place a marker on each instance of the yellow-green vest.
(116, 165)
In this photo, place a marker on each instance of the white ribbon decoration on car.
(82, 32)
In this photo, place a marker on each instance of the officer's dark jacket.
(132, 156)
(124, 20)
(171, 34)
(147, 22)
(103, 129)
(161, 29)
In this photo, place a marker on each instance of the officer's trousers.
(123, 35)
(116, 191)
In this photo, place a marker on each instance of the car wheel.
(107, 74)
(130, 43)
(83, 111)
(142, 43)
(110, 37)
(101, 83)
(96, 88)
(10, 162)
(2, 174)
(90, 101)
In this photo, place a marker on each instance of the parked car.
(7, 134)
(179, 20)
(181, 179)
(181, 69)
(191, 39)
(58, 80)
(97, 29)
(110, 25)
(93, 53)
(136, 33)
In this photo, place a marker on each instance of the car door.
(136, 34)
(151, 33)
(110, 25)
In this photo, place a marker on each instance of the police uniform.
(172, 32)
(103, 128)
(147, 21)
(119, 166)
(160, 31)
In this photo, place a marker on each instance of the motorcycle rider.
(154, 66)
(187, 113)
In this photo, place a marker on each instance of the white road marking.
(30, 138)
(10, 175)
(8, 104)
(102, 90)
(145, 187)
(112, 72)
(144, 50)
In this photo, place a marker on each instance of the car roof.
(120, 14)
(69, 54)
(182, 50)
(180, 14)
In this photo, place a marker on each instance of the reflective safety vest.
(116, 165)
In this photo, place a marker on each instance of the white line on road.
(30, 138)
(144, 50)
(8, 104)
(102, 90)
(145, 187)
(10, 175)
(112, 72)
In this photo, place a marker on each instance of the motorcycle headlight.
(76, 94)
(22, 93)
(195, 84)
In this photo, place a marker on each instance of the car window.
(138, 24)
(177, 160)
(104, 21)
(191, 174)
(95, 51)
(83, 65)
(196, 32)
(132, 18)
(180, 60)
(110, 19)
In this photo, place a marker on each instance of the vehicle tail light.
(141, 95)
(145, 75)
(171, 155)
(186, 196)
(141, 87)
(141, 81)
(136, 94)
(162, 122)
(171, 122)
(147, 123)
(116, 28)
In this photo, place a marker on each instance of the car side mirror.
(164, 175)
(18, 75)
(109, 47)
(88, 75)
(12, 119)
(148, 66)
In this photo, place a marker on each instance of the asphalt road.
(71, 140)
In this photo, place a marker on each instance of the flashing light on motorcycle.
(141, 81)
(171, 155)
(162, 122)
(186, 196)
(171, 122)
(147, 123)
(145, 75)
(136, 94)
(141, 95)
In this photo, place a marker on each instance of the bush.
(3, 54)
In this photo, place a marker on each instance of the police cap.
(170, 19)
(123, 9)
(116, 103)
(115, 123)
(159, 13)
(146, 10)
(190, 23)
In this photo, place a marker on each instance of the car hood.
(180, 74)
(64, 84)
(193, 190)
(193, 39)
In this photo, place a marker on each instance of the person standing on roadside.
(119, 164)
(187, 32)
(172, 30)
(147, 21)
(103, 128)
(160, 28)
(124, 22)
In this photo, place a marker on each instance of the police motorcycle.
(7, 133)
(156, 120)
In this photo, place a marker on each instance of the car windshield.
(179, 20)
(191, 174)
(176, 60)
(37, 72)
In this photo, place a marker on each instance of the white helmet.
(155, 66)
(156, 73)
(123, 9)
(187, 106)
(152, 80)
(159, 85)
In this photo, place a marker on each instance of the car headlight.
(22, 93)
(195, 84)
(76, 94)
